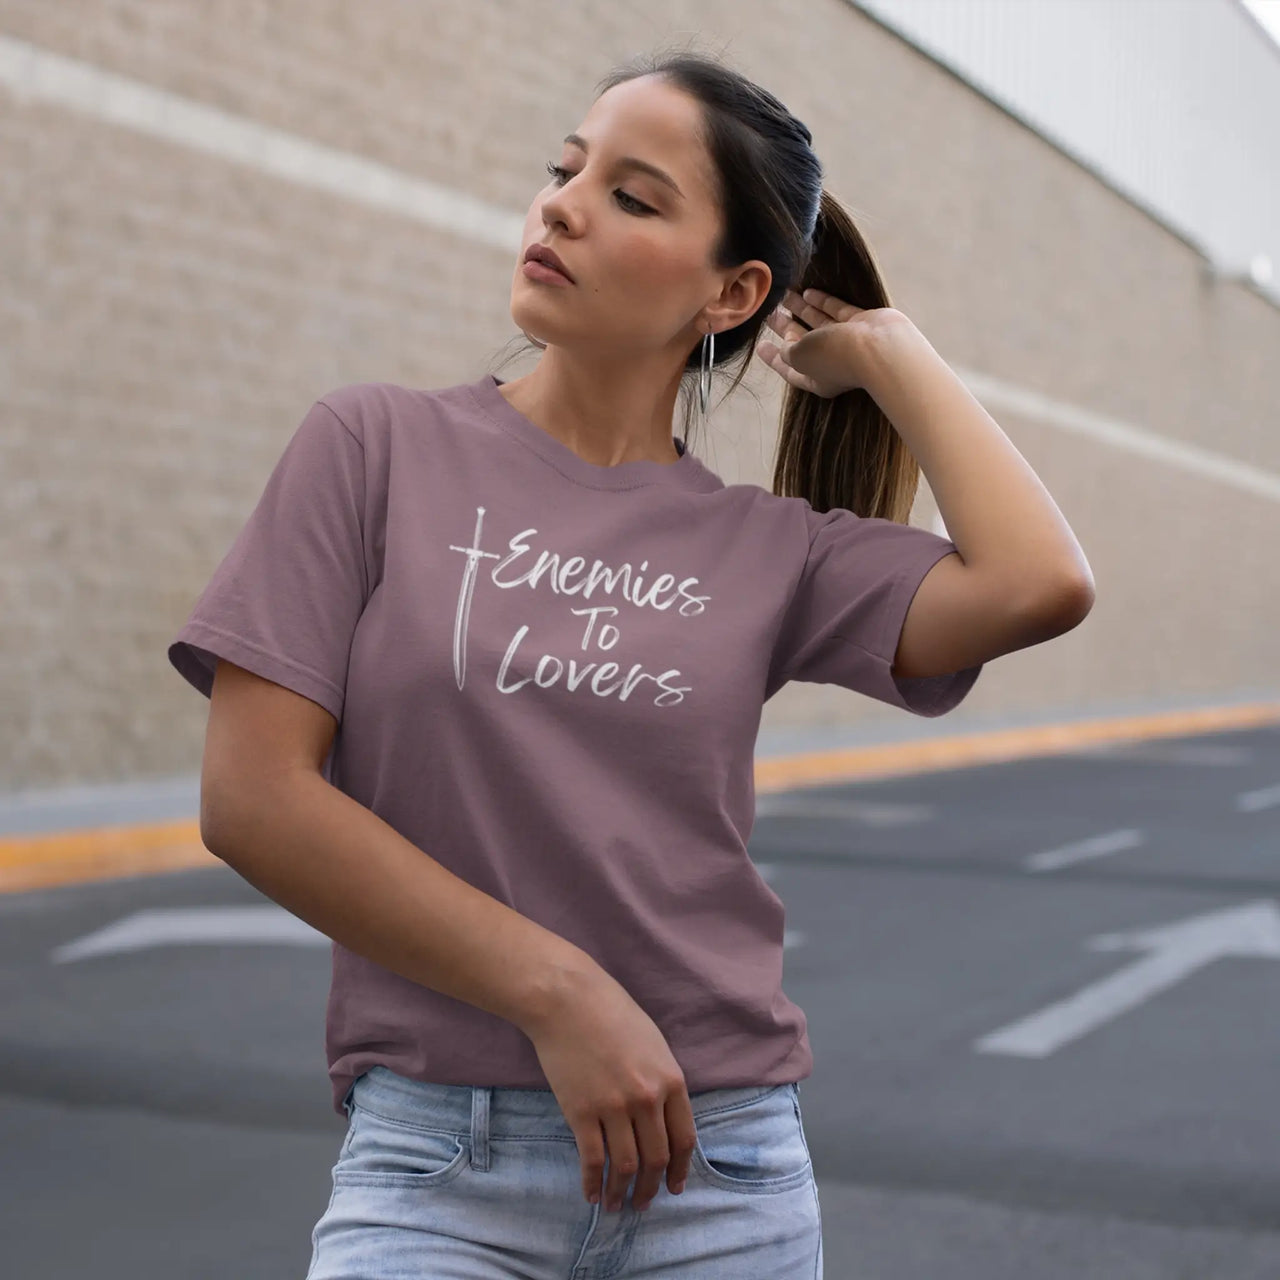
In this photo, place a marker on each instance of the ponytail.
(843, 451)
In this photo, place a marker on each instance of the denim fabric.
(461, 1182)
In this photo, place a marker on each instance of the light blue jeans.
(462, 1182)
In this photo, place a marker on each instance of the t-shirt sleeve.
(286, 598)
(844, 621)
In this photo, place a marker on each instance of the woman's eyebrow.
(632, 162)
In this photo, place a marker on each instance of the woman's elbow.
(1065, 604)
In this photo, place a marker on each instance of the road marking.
(30, 73)
(790, 937)
(225, 926)
(872, 813)
(44, 860)
(1176, 951)
(1082, 850)
(1256, 801)
(80, 855)
(994, 746)
(193, 926)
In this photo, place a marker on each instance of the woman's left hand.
(822, 338)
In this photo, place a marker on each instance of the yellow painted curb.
(104, 853)
(891, 759)
(100, 853)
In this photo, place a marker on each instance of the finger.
(770, 353)
(785, 325)
(798, 327)
(651, 1138)
(820, 301)
(777, 320)
(777, 361)
(623, 1160)
(830, 305)
(812, 315)
(590, 1142)
(682, 1137)
(799, 305)
(774, 353)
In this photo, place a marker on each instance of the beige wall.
(168, 315)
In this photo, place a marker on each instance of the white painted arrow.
(192, 926)
(1175, 950)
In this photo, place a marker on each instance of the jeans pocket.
(385, 1152)
(755, 1146)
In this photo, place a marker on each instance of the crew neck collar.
(685, 473)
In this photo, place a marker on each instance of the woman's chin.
(537, 326)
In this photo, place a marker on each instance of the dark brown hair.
(833, 452)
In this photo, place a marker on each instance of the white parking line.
(1254, 801)
(790, 937)
(193, 926)
(1082, 850)
(872, 812)
(265, 925)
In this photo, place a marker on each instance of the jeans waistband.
(506, 1112)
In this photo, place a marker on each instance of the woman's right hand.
(616, 1081)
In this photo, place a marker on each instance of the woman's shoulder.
(368, 406)
(763, 506)
(373, 409)
(775, 528)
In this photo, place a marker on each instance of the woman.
(486, 667)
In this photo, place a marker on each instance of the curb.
(50, 859)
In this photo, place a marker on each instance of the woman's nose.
(561, 207)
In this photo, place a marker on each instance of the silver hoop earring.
(536, 343)
(707, 359)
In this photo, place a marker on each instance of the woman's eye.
(561, 175)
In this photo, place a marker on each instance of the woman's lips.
(535, 270)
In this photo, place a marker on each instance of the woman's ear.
(743, 295)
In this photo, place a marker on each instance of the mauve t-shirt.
(548, 675)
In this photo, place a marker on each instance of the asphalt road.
(1043, 998)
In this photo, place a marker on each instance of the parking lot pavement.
(878, 1233)
(1042, 997)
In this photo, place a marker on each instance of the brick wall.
(169, 314)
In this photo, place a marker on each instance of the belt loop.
(481, 1098)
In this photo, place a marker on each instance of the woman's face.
(637, 248)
